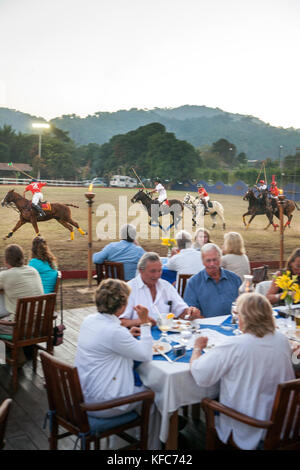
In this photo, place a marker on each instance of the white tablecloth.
(174, 385)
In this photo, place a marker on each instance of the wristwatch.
(146, 324)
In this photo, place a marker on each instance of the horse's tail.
(72, 205)
(297, 206)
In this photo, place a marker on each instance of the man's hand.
(191, 313)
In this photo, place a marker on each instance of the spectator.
(247, 383)
(187, 260)
(155, 293)
(125, 251)
(234, 255)
(106, 351)
(292, 265)
(213, 289)
(45, 263)
(17, 281)
(202, 236)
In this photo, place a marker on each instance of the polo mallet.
(139, 179)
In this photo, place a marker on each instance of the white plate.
(179, 324)
(162, 347)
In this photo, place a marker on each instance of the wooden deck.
(25, 425)
(26, 419)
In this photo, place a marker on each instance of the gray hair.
(149, 256)
(209, 247)
(128, 232)
(183, 239)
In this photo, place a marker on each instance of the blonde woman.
(234, 255)
(247, 383)
(201, 237)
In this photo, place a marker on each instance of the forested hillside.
(198, 125)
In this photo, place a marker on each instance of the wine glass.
(164, 324)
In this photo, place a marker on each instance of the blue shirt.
(47, 274)
(211, 297)
(124, 252)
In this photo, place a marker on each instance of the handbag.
(58, 330)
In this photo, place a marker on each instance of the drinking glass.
(164, 324)
(185, 335)
(234, 314)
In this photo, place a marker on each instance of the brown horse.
(60, 212)
(269, 207)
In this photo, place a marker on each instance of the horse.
(215, 208)
(60, 212)
(260, 206)
(155, 210)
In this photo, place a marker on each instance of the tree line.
(150, 149)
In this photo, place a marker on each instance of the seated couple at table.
(208, 293)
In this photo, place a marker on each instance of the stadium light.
(40, 126)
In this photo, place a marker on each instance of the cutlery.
(163, 354)
(179, 357)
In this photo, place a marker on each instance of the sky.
(84, 56)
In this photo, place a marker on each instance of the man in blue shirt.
(213, 289)
(125, 251)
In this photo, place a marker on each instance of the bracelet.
(146, 324)
(197, 349)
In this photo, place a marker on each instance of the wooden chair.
(283, 428)
(4, 411)
(260, 274)
(33, 325)
(181, 283)
(68, 410)
(109, 269)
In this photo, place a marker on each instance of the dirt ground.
(111, 209)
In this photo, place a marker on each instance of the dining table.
(172, 382)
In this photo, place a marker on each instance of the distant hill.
(198, 125)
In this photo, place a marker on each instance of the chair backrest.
(263, 287)
(285, 431)
(34, 317)
(58, 280)
(4, 411)
(181, 283)
(64, 393)
(260, 274)
(110, 269)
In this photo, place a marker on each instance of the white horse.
(195, 204)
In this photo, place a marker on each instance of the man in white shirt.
(158, 295)
(187, 260)
(249, 368)
(162, 193)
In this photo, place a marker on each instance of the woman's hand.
(135, 331)
(142, 313)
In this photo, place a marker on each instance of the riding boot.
(38, 209)
(206, 210)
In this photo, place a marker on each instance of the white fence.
(26, 181)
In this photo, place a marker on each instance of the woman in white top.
(106, 351)
(249, 366)
(201, 237)
(234, 256)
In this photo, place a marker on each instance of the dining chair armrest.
(147, 395)
(210, 406)
(7, 323)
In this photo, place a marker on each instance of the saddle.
(46, 206)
